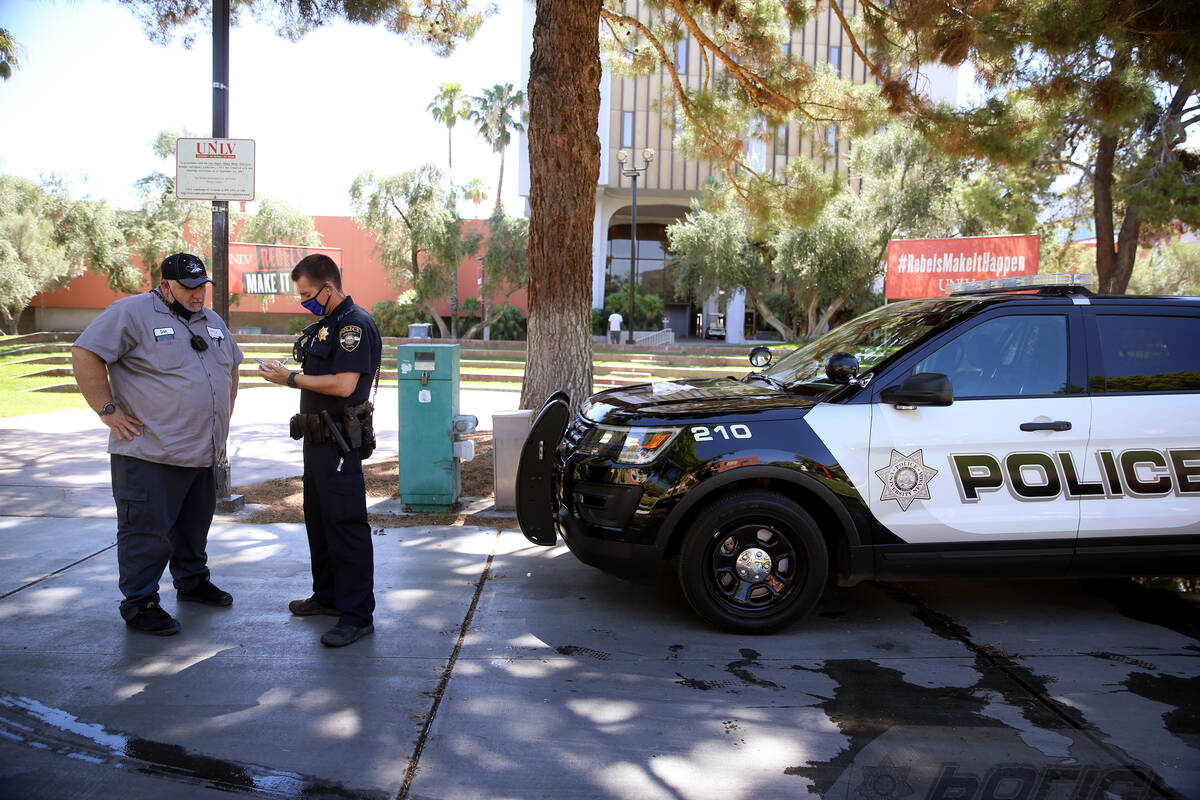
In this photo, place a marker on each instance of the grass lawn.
(15, 401)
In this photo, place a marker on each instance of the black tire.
(784, 562)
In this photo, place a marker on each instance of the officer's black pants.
(339, 538)
(163, 516)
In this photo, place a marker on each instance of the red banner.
(266, 269)
(928, 267)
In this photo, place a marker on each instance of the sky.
(92, 93)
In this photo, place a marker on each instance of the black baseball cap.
(185, 268)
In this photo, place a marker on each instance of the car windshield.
(871, 339)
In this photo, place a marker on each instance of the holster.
(359, 427)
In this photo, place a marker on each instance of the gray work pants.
(163, 516)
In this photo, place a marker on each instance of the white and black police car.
(1017, 428)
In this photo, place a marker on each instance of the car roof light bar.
(1021, 283)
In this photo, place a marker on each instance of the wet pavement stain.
(53, 730)
(1182, 693)
(699, 685)
(1120, 659)
(871, 700)
(739, 669)
(572, 650)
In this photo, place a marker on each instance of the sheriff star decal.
(350, 336)
(906, 479)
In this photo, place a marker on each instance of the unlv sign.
(266, 269)
(926, 267)
(214, 169)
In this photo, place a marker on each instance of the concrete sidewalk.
(503, 670)
(57, 465)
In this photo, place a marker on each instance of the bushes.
(393, 318)
(510, 327)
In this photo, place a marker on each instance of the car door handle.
(1057, 425)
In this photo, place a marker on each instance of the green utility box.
(430, 452)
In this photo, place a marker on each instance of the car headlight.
(633, 446)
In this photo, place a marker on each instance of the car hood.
(676, 401)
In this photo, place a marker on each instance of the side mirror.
(760, 356)
(841, 367)
(920, 389)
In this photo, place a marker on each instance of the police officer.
(340, 355)
(161, 370)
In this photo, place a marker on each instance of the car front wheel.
(753, 562)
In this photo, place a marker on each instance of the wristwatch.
(109, 408)
(291, 381)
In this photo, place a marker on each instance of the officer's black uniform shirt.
(346, 340)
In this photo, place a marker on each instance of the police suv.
(1017, 428)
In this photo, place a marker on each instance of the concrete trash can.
(509, 431)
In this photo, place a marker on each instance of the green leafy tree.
(1106, 90)
(509, 326)
(493, 115)
(476, 192)
(163, 224)
(31, 258)
(649, 308)
(448, 107)
(276, 222)
(901, 187)
(418, 234)
(1169, 267)
(505, 267)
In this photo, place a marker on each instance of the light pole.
(633, 173)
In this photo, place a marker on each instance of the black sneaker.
(208, 594)
(311, 607)
(344, 633)
(153, 620)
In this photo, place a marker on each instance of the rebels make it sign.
(927, 267)
(267, 268)
(214, 169)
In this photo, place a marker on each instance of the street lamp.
(633, 173)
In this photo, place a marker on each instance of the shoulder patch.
(349, 337)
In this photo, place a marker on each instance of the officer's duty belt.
(355, 424)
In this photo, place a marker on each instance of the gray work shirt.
(181, 395)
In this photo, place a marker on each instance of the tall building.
(632, 119)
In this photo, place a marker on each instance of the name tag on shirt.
(164, 334)
(216, 333)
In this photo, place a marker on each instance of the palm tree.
(476, 192)
(448, 107)
(10, 51)
(492, 113)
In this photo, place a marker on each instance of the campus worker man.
(340, 356)
(161, 370)
(614, 327)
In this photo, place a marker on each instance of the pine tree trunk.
(564, 151)
(1103, 213)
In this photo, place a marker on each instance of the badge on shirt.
(164, 334)
(323, 334)
(216, 333)
(350, 336)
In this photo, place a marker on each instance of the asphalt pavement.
(503, 670)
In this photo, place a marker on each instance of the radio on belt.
(430, 427)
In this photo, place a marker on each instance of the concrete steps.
(482, 364)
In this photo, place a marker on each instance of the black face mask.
(176, 306)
